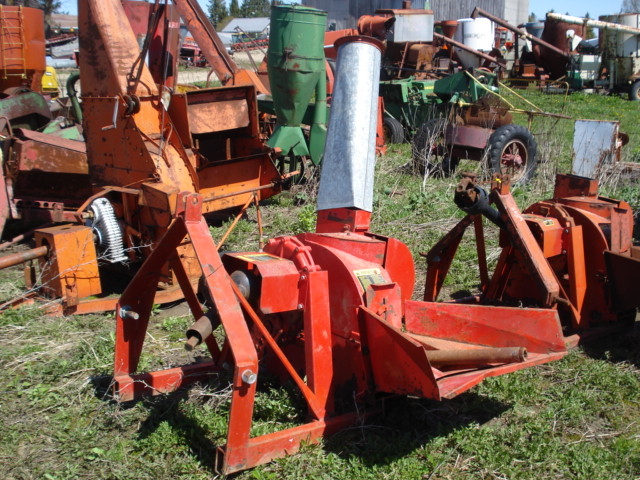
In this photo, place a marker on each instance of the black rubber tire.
(634, 91)
(393, 130)
(429, 152)
(510, 145)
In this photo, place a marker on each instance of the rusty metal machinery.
(573, 254)
(143, 145)
(330, 311)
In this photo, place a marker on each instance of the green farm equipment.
(461, 116)
(296, 67)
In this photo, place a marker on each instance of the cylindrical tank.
(534, 28)
(295, 59)
(350, 154)
(476, 33)
(22, 47)
(621, 44)
(449, 28)
(556, 34)
(620, 51)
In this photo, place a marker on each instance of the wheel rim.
(386, 132)
(514, 159)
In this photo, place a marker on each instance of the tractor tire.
(431, 156)
(393, 130)
(512, 150)
(634, 91)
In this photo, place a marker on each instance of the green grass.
(572, 419)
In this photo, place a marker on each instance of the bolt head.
(249, 377)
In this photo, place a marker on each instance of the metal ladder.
(12, 44)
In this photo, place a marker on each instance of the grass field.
(578, 418)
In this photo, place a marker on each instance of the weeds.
(572, 419)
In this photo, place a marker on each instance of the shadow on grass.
(410, 423)
(190, 430)
(620, 346)
(406, 424)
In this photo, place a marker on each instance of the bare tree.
(630, 6)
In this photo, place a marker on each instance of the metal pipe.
(72, 93)
(478, 11)
(466, 48)
(476, 356)
(198, 332)
(587, 22)
(349, 160)
(21, 257)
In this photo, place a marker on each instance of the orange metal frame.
(344, 329)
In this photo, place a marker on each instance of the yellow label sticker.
(369, 276)
(257, 257)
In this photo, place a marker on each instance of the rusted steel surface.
(488, 58)
(470, 136)
(70, 270)
(22, 257)
(476, 356)
(555, 34)
(25, 109)
(48, 153)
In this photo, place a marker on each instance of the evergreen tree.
(256, 8)
(217, 12)
(234, 9)
(49, 7)
(588, 32)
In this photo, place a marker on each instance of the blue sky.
(71, 6)
(578, 8)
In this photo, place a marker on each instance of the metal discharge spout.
(347, 172)
(587, 22)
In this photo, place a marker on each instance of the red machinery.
(573, 253)
(330, 311)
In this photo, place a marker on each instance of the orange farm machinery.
(112, 191)
(331, 311)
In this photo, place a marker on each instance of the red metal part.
(163, 48)
(572, 253)
(330, 312)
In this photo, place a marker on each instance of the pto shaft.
(22, 257)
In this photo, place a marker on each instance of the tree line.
(220, 15)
